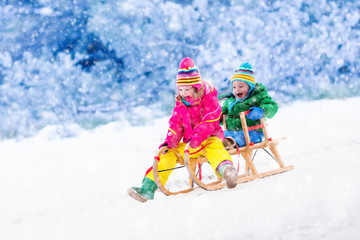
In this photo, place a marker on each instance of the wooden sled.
(250, 173)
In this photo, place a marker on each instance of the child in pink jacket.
(195, 119)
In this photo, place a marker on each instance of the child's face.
(186, 91)
(240, 89)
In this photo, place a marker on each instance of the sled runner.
(250, 173)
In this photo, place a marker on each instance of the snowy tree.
(92, 61)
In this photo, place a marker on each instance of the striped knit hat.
(188, 74)
(244, 73)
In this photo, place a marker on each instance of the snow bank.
(75, 188)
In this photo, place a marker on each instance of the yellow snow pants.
(214, 150)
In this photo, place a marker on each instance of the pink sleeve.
(175, 131)
(211, 117)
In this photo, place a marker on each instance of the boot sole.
(230, 177)
(132, 193)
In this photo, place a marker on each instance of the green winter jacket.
(258, 98)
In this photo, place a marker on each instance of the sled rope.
(265, 151)
(255, 154)
(169, 169)
(255, 127)
(200, 148)
(238, 150)
(200, 164)
(200, 175)
(269, 154)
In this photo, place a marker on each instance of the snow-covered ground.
(75, 188)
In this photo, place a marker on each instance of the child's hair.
(197, 95)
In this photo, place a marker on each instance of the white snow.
(75, 188)
(46, 11)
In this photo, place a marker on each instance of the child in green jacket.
(246, 95)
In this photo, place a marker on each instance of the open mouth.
(239, 95)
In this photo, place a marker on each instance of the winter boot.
(229, 174)
(146, 192)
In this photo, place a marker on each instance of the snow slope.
(75, 188)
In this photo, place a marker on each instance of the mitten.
(256, 113)
(195, 141)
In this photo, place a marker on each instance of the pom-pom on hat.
(244, 73)
(188, 74)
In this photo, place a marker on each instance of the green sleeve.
(269, 106)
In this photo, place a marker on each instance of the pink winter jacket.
(201, 119)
